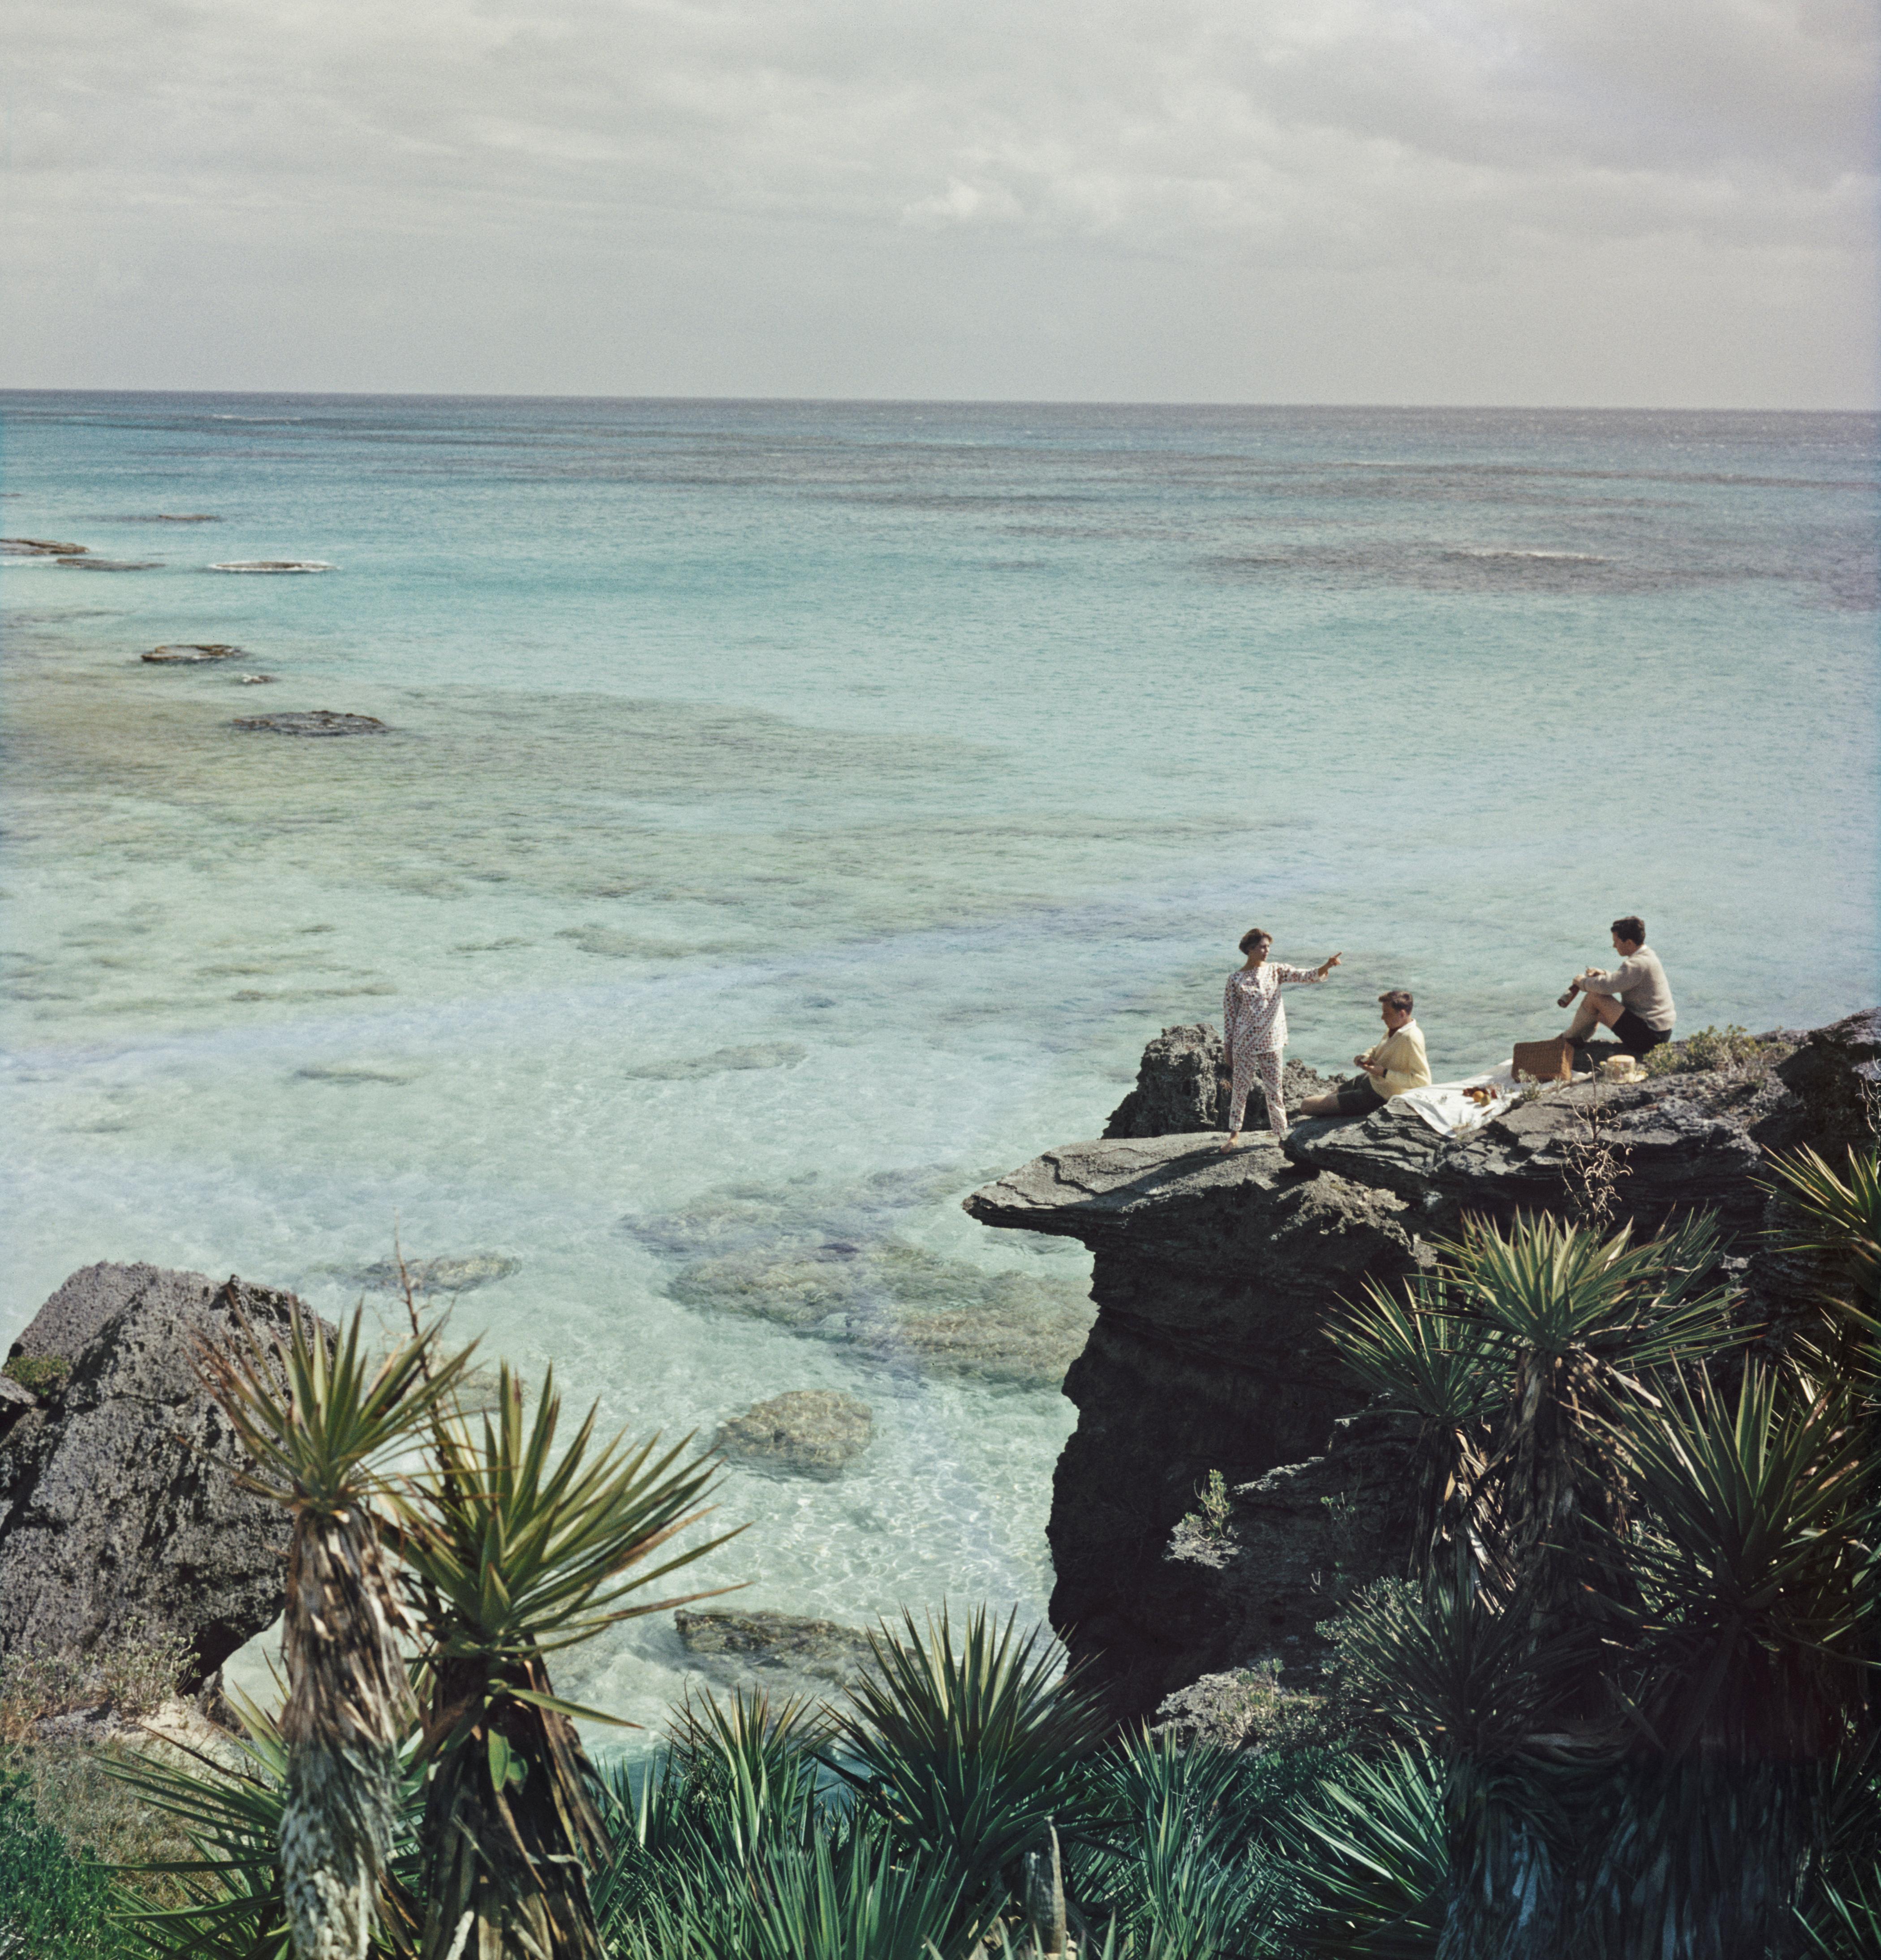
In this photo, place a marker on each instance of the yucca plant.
(1185, 1882)
(319, 1420)
(847, 1897)
(1579, 1325)
(1421, 1356)
(1371, 1852)
(231, 1809)
(966, 1750)
(1837, 1214)
(514, 1553)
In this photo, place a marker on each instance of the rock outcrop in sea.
(119, 1516)
(1213, 1278)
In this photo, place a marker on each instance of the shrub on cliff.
(1638, 1659)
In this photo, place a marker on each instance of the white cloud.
(1266, 164)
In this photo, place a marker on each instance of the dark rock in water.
(274, 564)
(312, 722)
(119, 1514)
(463, 1274)
(89, 564)
(39, 548)
(814, 1432)
(1213, 1275)
(901, 1305)
(721, 1062)
(736, 1647)
(191, 655)
(1184, 1086)
(182, 517)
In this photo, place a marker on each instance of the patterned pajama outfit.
(1254, 1029)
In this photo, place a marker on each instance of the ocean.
(792, 814)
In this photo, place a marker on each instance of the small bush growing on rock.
(41, 1374)
(1712, 1048)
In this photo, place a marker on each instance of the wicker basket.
(1551, 1060)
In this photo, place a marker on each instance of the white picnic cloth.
(1445, 1107)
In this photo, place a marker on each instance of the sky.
(1642, 203)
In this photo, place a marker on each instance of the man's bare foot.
(1229, 1141)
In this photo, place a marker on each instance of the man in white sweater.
(1389, 1067)
(1634, 999)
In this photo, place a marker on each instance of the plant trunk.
(347, 1702)
(506, 1867)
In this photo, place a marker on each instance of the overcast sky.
(1651, 202)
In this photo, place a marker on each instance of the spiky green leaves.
(966, 1746)
(516, 1550)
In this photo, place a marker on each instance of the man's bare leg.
(1590, 1009)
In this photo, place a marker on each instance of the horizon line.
(926, 401)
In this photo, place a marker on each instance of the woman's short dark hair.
(1630, 928)
(1398, 1000)
(1254, 937)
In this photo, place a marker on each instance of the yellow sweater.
(1401, 1057)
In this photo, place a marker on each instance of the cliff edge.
(1213, 1276)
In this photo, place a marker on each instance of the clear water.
(795, 812)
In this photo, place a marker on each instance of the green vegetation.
(43, 1374)
(1621, 1701)
(1731, 1047)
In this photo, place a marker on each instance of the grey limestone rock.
(118, 1512)
(39, 548)
(464, 1274)
(813, 1432)
(736, 1647)
(196, 654)
(1183, 1085)
(1685, 1141)
(318, 721)
(1213, 1275)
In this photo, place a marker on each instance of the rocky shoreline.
(1213, 1276)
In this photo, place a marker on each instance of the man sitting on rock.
(1634, 999)
(1390, 1067)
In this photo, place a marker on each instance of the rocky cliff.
(119, 1516)
(1213, 1276)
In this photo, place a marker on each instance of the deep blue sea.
(794, 813)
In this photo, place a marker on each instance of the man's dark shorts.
(1360, 1098)
(1635, 1037)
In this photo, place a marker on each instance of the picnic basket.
(1550, 1060)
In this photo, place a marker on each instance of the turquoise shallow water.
(794, 814)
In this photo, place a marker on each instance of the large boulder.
(1182, 1086)
(120, 1514)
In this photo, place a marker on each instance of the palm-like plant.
(1185, 1882)
(1371, 1853)
(319, 1420)
(966, 1751)
(237, 1906)
(1421, 1356)
(514, 1553)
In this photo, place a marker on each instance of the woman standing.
(1254, 1028)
